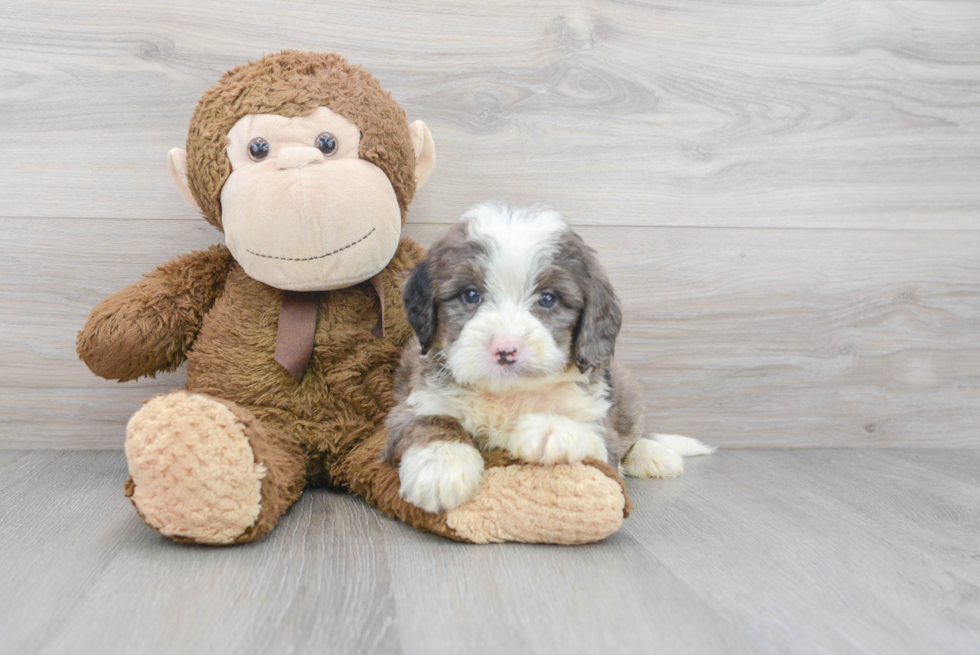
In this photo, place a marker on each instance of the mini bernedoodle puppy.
(515, 324)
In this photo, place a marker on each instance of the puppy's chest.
(486, 415)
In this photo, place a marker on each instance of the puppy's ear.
(598, 326)
(419, 304)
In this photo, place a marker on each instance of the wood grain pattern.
(785, 193)
(834, 114)
(859, 534)
(829, 551)
(746, 338)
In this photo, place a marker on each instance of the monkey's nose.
(298, 157)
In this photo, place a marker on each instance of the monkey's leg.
(205, 470)
(564, 504)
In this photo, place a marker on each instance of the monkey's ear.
(420, 308)
(425, 152)
(177, 163)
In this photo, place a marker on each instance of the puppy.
(515, 324)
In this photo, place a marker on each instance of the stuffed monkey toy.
(292, 330)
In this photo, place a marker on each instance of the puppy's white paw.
(555, 439)
(651, 459)
(440, 475)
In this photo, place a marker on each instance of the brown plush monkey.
(292, 330)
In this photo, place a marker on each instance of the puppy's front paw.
(651, 459)
(555, 439)
(441, 475)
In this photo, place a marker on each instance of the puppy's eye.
(548, 300)
(471, 296)
(258, 149)
(326, 143)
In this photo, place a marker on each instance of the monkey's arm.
(149, 326)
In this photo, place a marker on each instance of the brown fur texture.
(292, 84)
(346, 392)
(301, 432)
(285, 462)
(148, 327)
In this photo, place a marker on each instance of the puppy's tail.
(685, 446)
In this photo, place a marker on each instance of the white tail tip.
(685, 446)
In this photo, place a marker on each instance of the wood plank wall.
(787, 194)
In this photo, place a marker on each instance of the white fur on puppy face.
(520, 244)
(441, 475)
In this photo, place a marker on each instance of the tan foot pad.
(193, 471)
(569, 504)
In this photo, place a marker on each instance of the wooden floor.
(776, 551)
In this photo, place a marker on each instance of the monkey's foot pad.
(192, 471)
(564, 504)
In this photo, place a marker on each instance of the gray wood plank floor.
(785, 551)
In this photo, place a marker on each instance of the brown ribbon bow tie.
(297, 327)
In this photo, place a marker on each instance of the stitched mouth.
(307, 259)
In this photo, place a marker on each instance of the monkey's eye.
(471, 296)
(258, 149)
(548, 300)
(326, 143)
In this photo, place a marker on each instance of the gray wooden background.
(787, 194)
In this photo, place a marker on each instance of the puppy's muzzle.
(506, 351)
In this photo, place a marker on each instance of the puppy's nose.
(505, 350)
(297, 157)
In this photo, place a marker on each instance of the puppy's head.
(509, 295)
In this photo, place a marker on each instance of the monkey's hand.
(149, 326)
